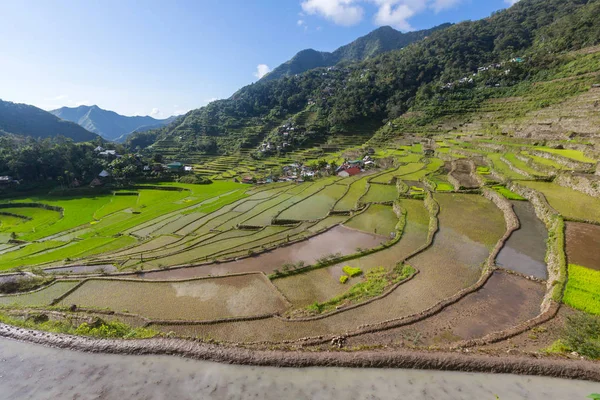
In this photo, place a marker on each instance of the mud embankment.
(583, 370)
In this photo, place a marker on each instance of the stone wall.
(588, 184)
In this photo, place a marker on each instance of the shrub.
(352, 271)
(582, 334)
(344, 279)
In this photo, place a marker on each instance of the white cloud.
(396, 13)
(262, 70)
(342, 12)
(441, 5)
(300, 22)
(155, 112)
(511, 2)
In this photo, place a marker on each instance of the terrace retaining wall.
(555, 255)
(567, 162)
(588, 184)
(450, 361)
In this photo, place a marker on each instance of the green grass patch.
(344, 279)
(98, 329)
(374, 284)
(380, 194)
(507, 193)
(583, 289)
(352, 271)
(568, 202)
(581, 334)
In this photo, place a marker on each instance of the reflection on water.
(30, 371)
(525, 250)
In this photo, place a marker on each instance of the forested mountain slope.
(379, 41)
(23, 119)
(532, 34)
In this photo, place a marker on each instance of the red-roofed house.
(349, 172)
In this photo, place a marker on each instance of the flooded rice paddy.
(583, 244)
(525, 249)
(203, 299)
(29, 371)
(336, 240)
(503, 302)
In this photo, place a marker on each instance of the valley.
(423, 200)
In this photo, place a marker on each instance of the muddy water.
(583, 244)
(82, 269)
(336, 240)
(525, 250)
(30, 371)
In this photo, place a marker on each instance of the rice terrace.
(411, 209)
(358, 262)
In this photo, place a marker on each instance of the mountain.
(108, 124)
(379, 41)
(540, 34)
(23, 119)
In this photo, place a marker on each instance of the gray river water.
(29, 371)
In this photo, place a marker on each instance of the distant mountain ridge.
(108, 124)
(27, 120)
(379, 41)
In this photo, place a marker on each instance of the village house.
(349, 172)
(6, 180)
(175, 166)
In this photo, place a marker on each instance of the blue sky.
(166, 57)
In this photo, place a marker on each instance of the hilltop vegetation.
(391, 84)
(379, 41)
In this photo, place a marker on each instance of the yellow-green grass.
(502, 168)
(350, 200)
(202, 299)
(570, 203)
(433, 165)
(294, 196)
(583, 289)
(576, 155)
(116, 203)
(380, 194)
(545, 161)
(442, 184)
(226, 242)
(512, 158)
(43, 297)
(73, 250)
(508, 194)
(379, 219)
(8, 222)
(39, 219)
(316, 206)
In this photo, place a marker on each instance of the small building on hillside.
(96, 182)
(104, 174)
(6, 180)
(188, 168)
(175, 166)
(349, 172)
(248, 180)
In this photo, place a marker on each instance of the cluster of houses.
(355, 167)
(470, 79)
